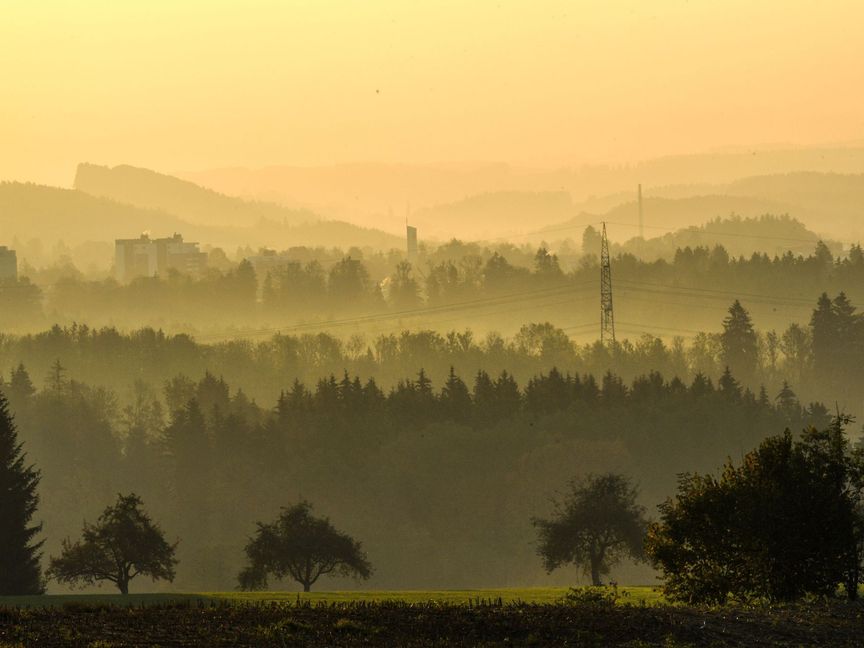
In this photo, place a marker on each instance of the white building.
(146, 257)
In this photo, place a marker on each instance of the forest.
(820, 359)
(431, 477)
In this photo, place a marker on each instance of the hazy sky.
(189, 84)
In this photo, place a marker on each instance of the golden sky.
(193, 84)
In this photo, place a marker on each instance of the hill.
(377, 194)
(224, 220)
(832, 201)
(740, 236)
(39, 219)
(194, 204)
(493, 215)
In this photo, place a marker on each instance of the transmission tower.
(607, 317)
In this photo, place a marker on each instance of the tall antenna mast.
(641, 222)
(607, 317)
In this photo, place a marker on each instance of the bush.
(592, 596)
(784, 524)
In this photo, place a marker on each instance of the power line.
(661, 328)
(651, 297)
(684, 290)
(430, 310)
(510, 309)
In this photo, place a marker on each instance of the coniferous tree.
(19, 552)
(739, 343)
(824, 326)
(455, 399)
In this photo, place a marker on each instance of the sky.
(189, 84)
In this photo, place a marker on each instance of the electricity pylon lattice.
(607, 316)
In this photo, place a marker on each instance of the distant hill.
(672, 213)
(493, 215)
(742, 224)
(740, 236)
(365, 193)
(829, 203)
(194, 204)
(834, 202)
(53, 214)
(75, 218)
(232, 221)
(663, 214)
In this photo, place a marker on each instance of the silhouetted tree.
(597, 524)
(19, 554)
(303, 547)
(455, 399)
(546, 265)
(739, 343)
(123, 544)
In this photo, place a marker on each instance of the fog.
(209, 293)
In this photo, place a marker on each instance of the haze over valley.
(431, 323)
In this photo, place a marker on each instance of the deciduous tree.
(595, 526)
(784, 524)
(303, 547)
(123, 544)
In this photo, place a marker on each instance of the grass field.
(631, 595)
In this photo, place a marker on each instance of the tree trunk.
(123, 586)
(851, 585)
(595, 572)
(307, 587)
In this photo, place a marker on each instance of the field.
(506, 595)
(532, 617)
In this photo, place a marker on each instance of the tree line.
(820, 360)
(439, 479)
(302, 286)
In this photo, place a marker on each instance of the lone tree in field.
(785, 523)
(123, 544)
(596, 525)
(19, 554)
(303, 547)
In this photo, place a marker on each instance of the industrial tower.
(607, 317)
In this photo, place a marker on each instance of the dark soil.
(834, 624)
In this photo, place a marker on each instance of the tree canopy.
(302, 547)
(123, 544)
(784, 523)
(597, 524)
